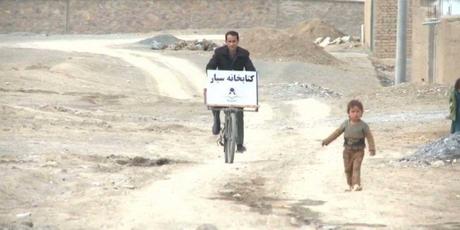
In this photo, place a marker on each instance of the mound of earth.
(160, 41)
(314, 29)
(445, 149)
(283, 46)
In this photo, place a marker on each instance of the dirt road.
(98, 136)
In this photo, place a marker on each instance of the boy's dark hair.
(457, 84)
(233, 33)
(354, 103)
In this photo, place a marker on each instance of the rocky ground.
(98, 133)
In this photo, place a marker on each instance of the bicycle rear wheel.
(230, 136)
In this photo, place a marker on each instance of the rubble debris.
(167, 41)
(160, 41)
(296, 90)
(327, 41)
(441, 151)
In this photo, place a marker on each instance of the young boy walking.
(355, 130)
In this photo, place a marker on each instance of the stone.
(325, 42)
(336, 41)
(206, 227)
(346, 39)
(293, 221)
(438, 163)
(28, 223)
(318, 40)
(442, 149)
(129, 186)
(157, 45)
(23, 215)
(236, 196)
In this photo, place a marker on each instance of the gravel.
(445, 149)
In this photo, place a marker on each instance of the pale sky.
(455, 7)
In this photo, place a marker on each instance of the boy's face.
(355, 113)
(231, 42)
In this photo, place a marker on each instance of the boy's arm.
(333, 136)
(370, 142)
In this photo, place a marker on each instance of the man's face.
(231, 42)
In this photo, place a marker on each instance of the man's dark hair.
(233, 33)
(354, 103)
(457, 84)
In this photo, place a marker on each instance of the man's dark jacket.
(221, 60)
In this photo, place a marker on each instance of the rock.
(160, 41)
(50, 164)
(325, 42)
(337, 41)
(346, 39)
(206, 227)
(157, 45)
(236, 196)
(129, 186)
(438, 164)
(318, 40)
(23, 215)
(28, 223)
(293, 221)
(329, 227)
(440, 150)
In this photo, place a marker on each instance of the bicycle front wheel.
(230, 137)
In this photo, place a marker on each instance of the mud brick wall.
(127, 16)
(385, 27)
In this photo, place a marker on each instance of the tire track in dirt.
(193, 196)
(183, 83)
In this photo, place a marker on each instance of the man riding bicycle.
(231, 57)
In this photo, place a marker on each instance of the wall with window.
(445, 40)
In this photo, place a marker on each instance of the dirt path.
(179, 83)
(285, 180)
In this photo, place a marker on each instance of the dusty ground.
(98, 134)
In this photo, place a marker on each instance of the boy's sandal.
(357, 188)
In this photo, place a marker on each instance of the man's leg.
(240, 134)
(216, 123)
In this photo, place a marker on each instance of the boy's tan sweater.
(353, 132)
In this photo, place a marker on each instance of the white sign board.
(232, 88)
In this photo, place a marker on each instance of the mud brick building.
(432, 53)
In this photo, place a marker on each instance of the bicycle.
(231, 91)
(229, 133)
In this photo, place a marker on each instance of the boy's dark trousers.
(239, 123)
(352, 159)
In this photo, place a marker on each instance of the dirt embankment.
(291, 44)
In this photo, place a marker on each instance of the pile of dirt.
(314, 29)
(160, 41)
(283, 46)
(444, 149)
